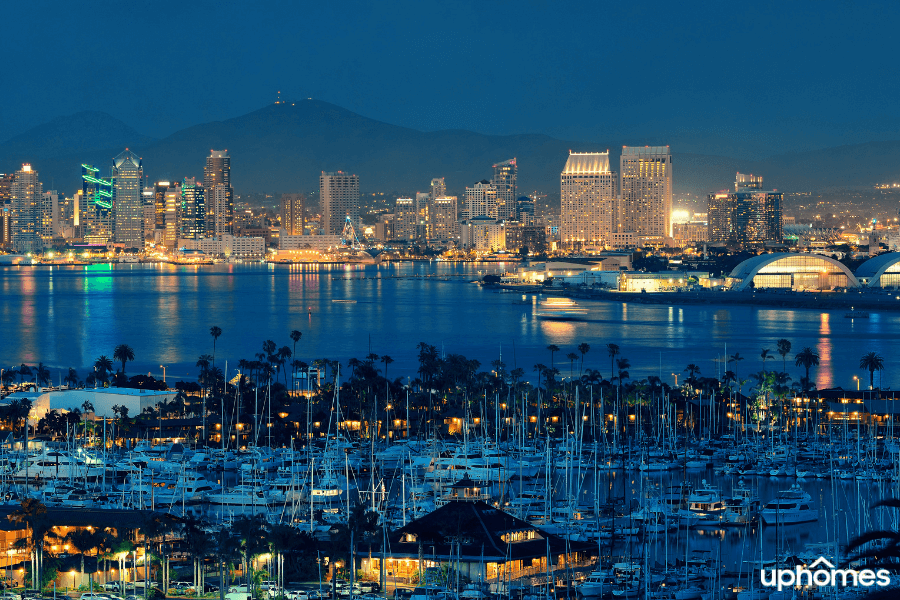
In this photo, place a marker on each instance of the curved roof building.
(791, 271)
(880, 271)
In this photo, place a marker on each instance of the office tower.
(404, 219)
(148, 200)
(444, 224)
(588, 191)
(423, 206)
(48, 217)
(128, 202)
(481, 201)
(95, 206)
(746, 183)
(645, 207)
(192, 211)
(749, 216)
(159, 201)
(292, 213)
(6, 182)
(218, 172)
(525, 210)
(339, 199)
(25, 196)
(66, 213)
(172, 221)
(505, 175)
(438, 188)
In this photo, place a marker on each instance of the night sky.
(745, 79)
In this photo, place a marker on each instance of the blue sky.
(741, 79)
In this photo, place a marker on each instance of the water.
(68, 316)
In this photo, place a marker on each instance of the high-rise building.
(588, 190)
(525, 210)
(292, 213)
(95, 207)
(218, 172)
(159, 201)
(48, 217)
(6, 182)
(505, 176)
(339, 199)
(149, 207)
(423, 207)
(481, 201)
(444, 223)
(25, 193)
(749, 216)
(172, 220)
(192, 210)
(405, 219)
(645, 207)
(438, 188)
(128, 202)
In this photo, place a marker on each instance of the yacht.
(560, 309)
(790, 506)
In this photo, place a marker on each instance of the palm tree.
(33, 514)
(553, 348)
(251, 533)
(215, 332)
(386, 360)
(102, 366)
(873, 362)
(806, 358)
(584, 348)
(885, 555)
(764, 355)
(783, 347)
(24, 371)
(72, 378)
(123, 353)
(41, 374)
(613, 351)
(84, 541)
(692, 369)
(572, 358)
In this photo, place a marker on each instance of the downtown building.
(750, 216)
(645, 201)
(94, 207)
(506, 174)
(588, 191)
(405, 219)
(219, 193)
(192, 210)
(444, 225)
(6, 182)
(128, 202)
(339, 198)
(293, 220)
(24, 219)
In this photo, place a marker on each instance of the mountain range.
(284, 147)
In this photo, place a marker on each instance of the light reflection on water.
(67, 316)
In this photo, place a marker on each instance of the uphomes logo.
(823, 574)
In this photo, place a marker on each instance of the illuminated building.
(172, 218)
(504, 181)
(192, 211)
(149, 200)
(525, 210)
(481, 201)
(444, 224)
(404, 219)
(423, 206)
(128, 204)
(798, 272)
(531, 237)
(221, 202)
(292, 213)
(645, 205)
(339, 198)
(482, 233)
(25, 193)
(882, 271)
(746, 217)
(48, 217)
(6, 182)
(438, 188)
(159, 201)
(587, 200)
(95, 206)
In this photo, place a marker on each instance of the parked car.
(237, 596)
(296, 595)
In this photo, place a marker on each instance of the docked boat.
(560, 309)
(790, 506)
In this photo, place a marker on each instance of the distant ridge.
(284, 147)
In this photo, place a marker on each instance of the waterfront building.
(192, 210)
(227, 246)
(882, 271)
(172, 216)
(525, 210)
(103, 399)
(588, 190)
(438, 187)
(520, 235)
(6, 182)
(423, 207)
(506, 174)
(481, 201)
(220, 211)
(25, 195)
(95, 206)
(308, 242)
(48, 217)
(292, 213)
(339, 199)
(483, 234)
(749, 216)
(159, 202)
(645, 205)
(798, 272)
(444, 223)
(404, 219)
(128, 202)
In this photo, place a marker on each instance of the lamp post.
(675, 375)
(164, 372)
(856, 379)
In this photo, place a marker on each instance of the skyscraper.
(746, 183)
(444, 224)
(646, 192)
(505, 176)
(404, 219)
(25, 193)
(749, 216)
(48, 217)
(159, 201)
(193, 210)
(128, 205)
(218, 172)
(438, 188)
(6, 182)
(481, 201)
(339, 197)
(172, 221)
(292, 213)
(588, 191)
(423, 207)
(95, 206)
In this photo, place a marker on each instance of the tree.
(295, 337)
(84, 541)
(72, 378)
(251, 533)
(123, 353)
(584, 348)
(553, 348)
(613, 351)
(883, 555)
(783, 347)
(215, 332)
(872, 361)
(572, 358)
(42, 374)
(386, 360)
(33, 514)
(24, 371)
(692, 370)
(764, 355)
(806, 358)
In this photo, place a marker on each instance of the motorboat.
(560, 309)
(788, 507)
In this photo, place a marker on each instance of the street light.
(164, 372)
(856, 379)
(675, 375)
